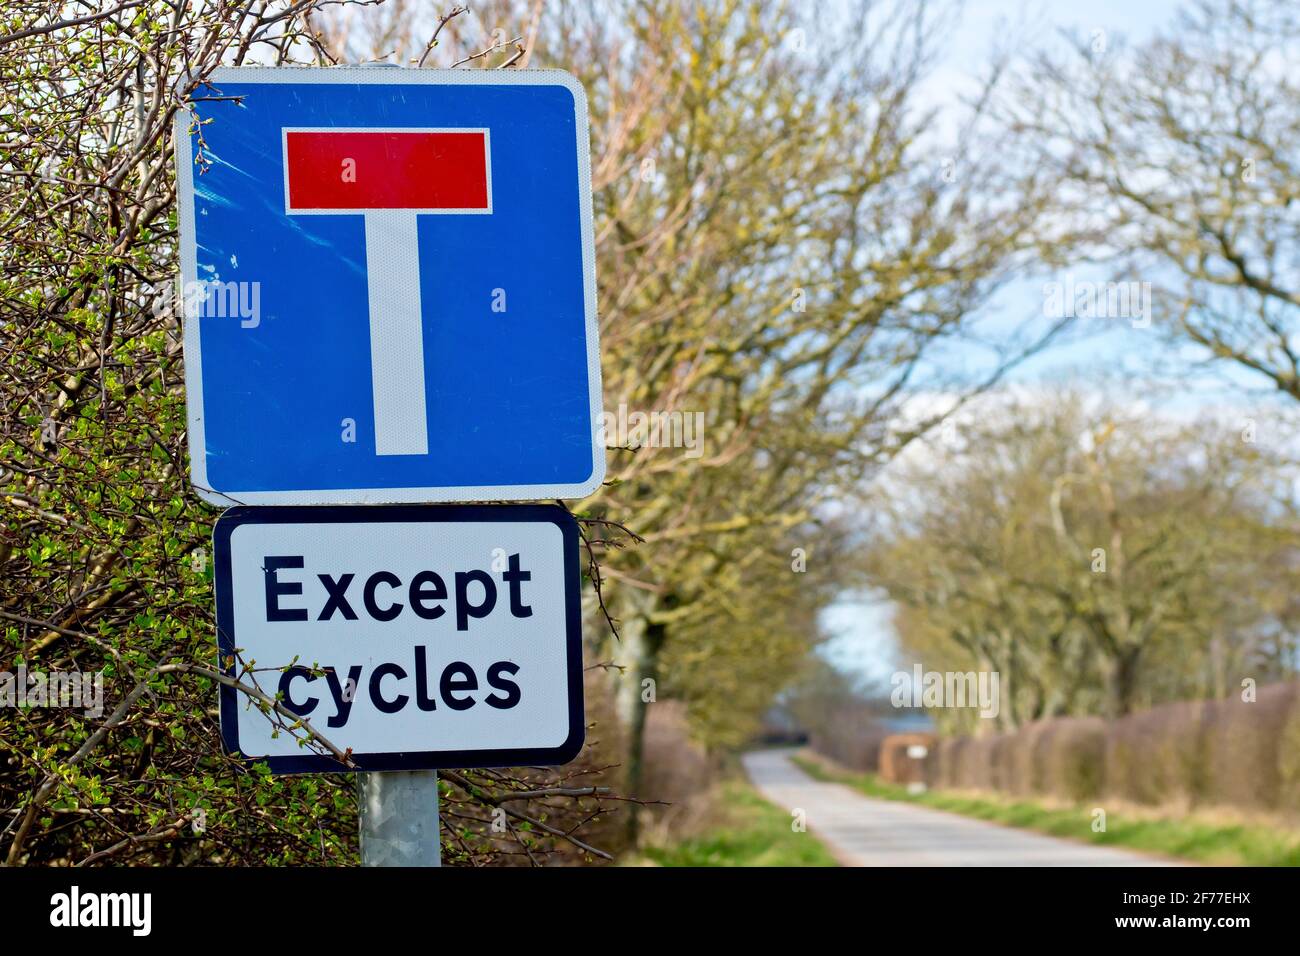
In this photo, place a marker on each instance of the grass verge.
(749, 831)
(1194, 838)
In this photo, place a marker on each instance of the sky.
(862, 641)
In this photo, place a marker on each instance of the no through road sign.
(389, 286)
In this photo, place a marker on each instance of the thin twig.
(442, 22)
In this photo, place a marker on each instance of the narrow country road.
(864, 831)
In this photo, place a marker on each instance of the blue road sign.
(389, 286)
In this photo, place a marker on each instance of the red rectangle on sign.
(352, 171)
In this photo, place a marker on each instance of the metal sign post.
(399, 818)
(390, 291)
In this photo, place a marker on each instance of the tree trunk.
(1123, 682)
(638, 654)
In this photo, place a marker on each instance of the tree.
(779, 254)
(1178, 163)
(1099, 560)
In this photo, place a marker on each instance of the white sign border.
(362, 75)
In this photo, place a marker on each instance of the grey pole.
(399, 818)
(399, 809)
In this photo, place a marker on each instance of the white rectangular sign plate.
(418, 637)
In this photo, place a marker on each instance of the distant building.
(910, 722)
